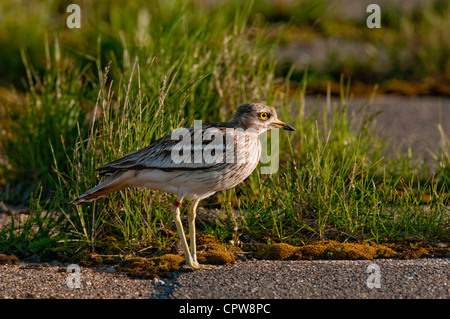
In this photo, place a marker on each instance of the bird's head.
(259, 117)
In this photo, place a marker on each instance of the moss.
(312, 251)
(421, 249)
(88, 259)
(325, 250)
(216, 257)
(279, 251)
(208, 242)
(138, 267)
(150, 267)
(168, 262)
(207, 239)
(352, 251)
(109, 246)
(8, 259)
(384, 251)
(211, 251)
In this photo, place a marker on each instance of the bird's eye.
(263, 116)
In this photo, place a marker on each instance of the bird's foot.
(194, 265)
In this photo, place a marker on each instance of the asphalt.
(253, 279)
(425, 278)
(411, 124)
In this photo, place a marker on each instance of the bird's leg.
(191, 218)
(190, 262)
(184, 244)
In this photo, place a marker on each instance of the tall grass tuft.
(42, 126)
(201, 73)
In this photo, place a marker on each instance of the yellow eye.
(263, 116)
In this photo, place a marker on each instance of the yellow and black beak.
(284, 126)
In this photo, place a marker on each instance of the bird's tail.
(113, 183)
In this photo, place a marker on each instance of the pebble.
(157, 282)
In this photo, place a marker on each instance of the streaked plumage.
(195, 169)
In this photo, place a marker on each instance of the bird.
(192, 163)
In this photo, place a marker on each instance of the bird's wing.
(184, 149)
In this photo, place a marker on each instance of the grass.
(43, 125)
(123, 81)
(340, 186)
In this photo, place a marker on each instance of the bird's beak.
(284, 126)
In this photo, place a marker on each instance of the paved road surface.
(408, 122)
(412, 279)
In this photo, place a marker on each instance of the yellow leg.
(184, 244)
(190, 262)
(191, 218)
